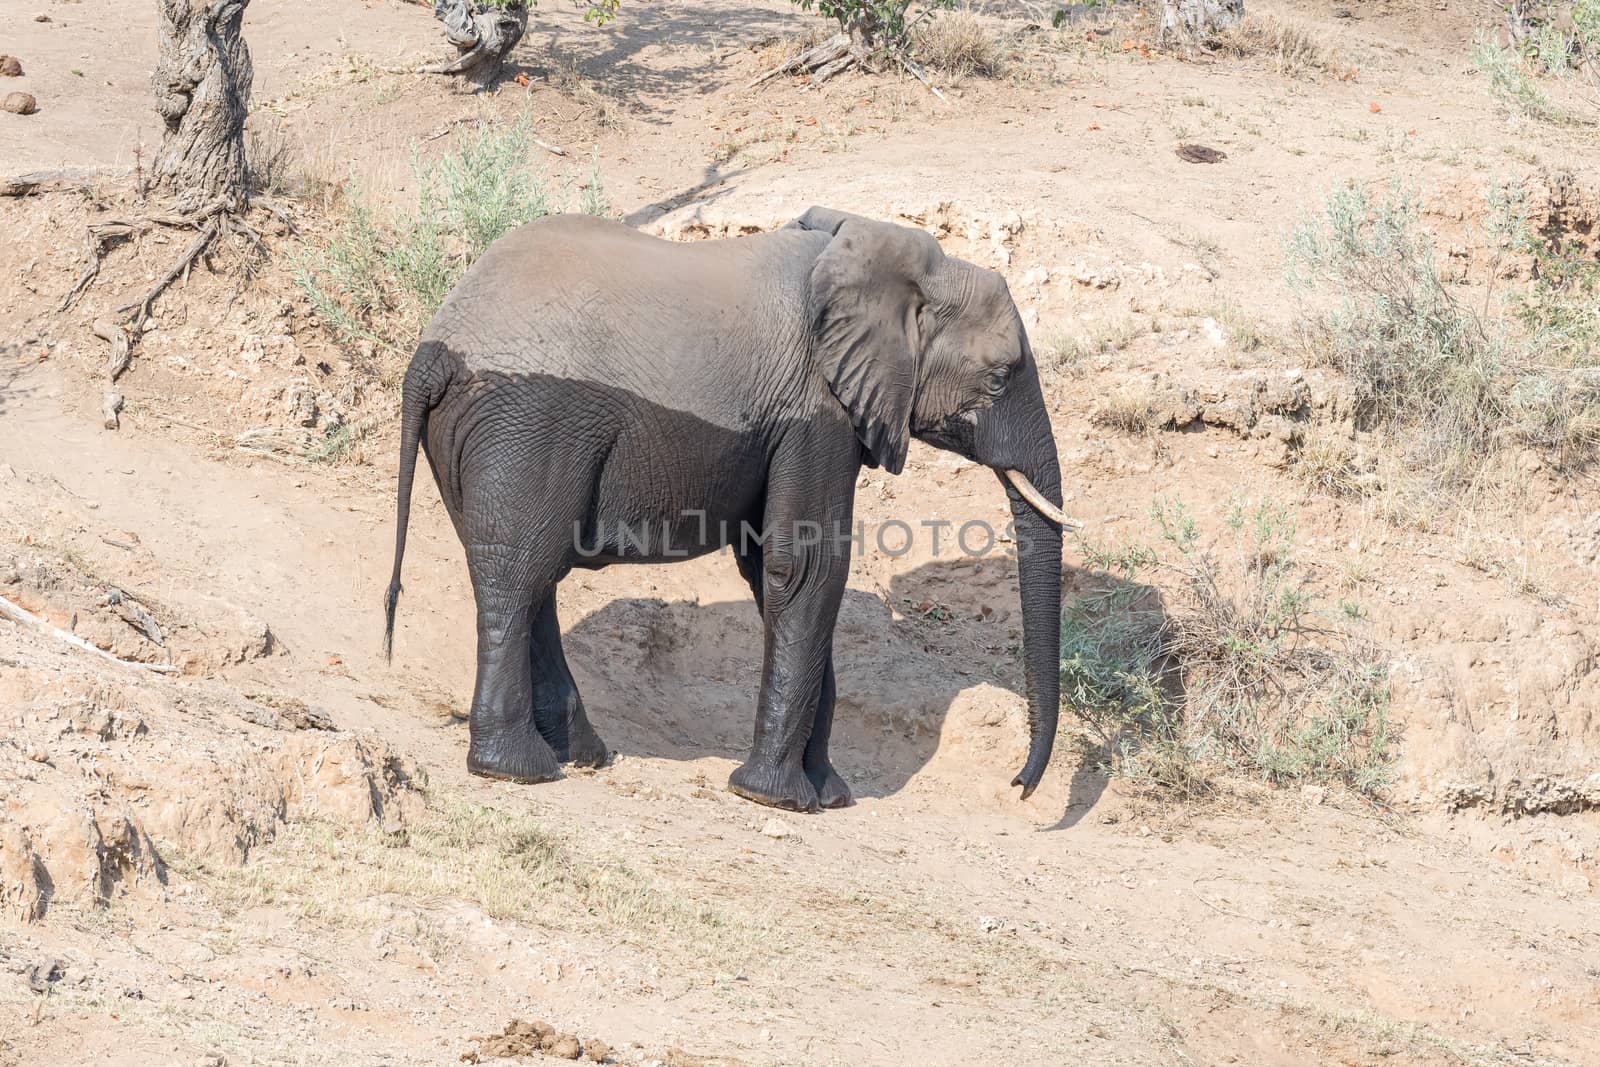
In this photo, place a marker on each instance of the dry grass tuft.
(1127, 410)
(503, 862)
(1291, 49)
(957, 43)
(1328, 462)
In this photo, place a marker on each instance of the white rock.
(776, 828)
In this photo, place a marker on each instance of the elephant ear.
(866, 291)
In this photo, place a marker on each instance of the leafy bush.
(1561, 308)
(1512, 83)
(1241, 673)
(1418, 358)
(599, 12)
(882, 26)
(1556, 37)
(376, 282)
(1116, 672)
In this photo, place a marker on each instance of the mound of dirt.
(522, 1039)
(110, 772)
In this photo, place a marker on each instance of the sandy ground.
(275, 855)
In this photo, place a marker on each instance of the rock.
(776, 828)
(22, 886)
(137, 616)
(1106, 279)
(19, 103)
(597, 1050)
(10, 67)
(44, 973)
(300, 401)
(111, 402)
(561, 1046)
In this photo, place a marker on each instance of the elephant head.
(917, 344)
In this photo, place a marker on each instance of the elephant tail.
(426, 381)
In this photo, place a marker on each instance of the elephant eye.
(997, 379)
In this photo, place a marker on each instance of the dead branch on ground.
(28, 618)
(49, 181)
(838, 54)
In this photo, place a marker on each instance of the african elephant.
(585, 384)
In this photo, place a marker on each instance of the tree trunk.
(1188, 20)
(202, 83)
(484, 34)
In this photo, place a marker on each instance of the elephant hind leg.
(558, 712)
(505, 743)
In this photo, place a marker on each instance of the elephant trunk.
(1014, 436)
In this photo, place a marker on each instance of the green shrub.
(1418, 358)
(1113, 638)
(1560, 310)
(1237, 672)
(1453, 387)
(883, 26)
(1273, 685)
(1512, 82)
(375, 282)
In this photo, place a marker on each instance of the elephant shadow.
(928, 668)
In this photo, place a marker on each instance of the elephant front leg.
(802, 586)
(505, 743)
(558, 712)
(832, 790)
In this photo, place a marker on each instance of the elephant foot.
(586, 748)
(523, 757)
(832, 792)
(782, 786)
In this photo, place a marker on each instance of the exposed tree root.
(201, 242)
(836, 55)
(484, 35)
(122, 332)
(101, 237)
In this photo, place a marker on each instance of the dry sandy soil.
(272, 853)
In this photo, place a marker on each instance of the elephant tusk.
(1036, 498)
